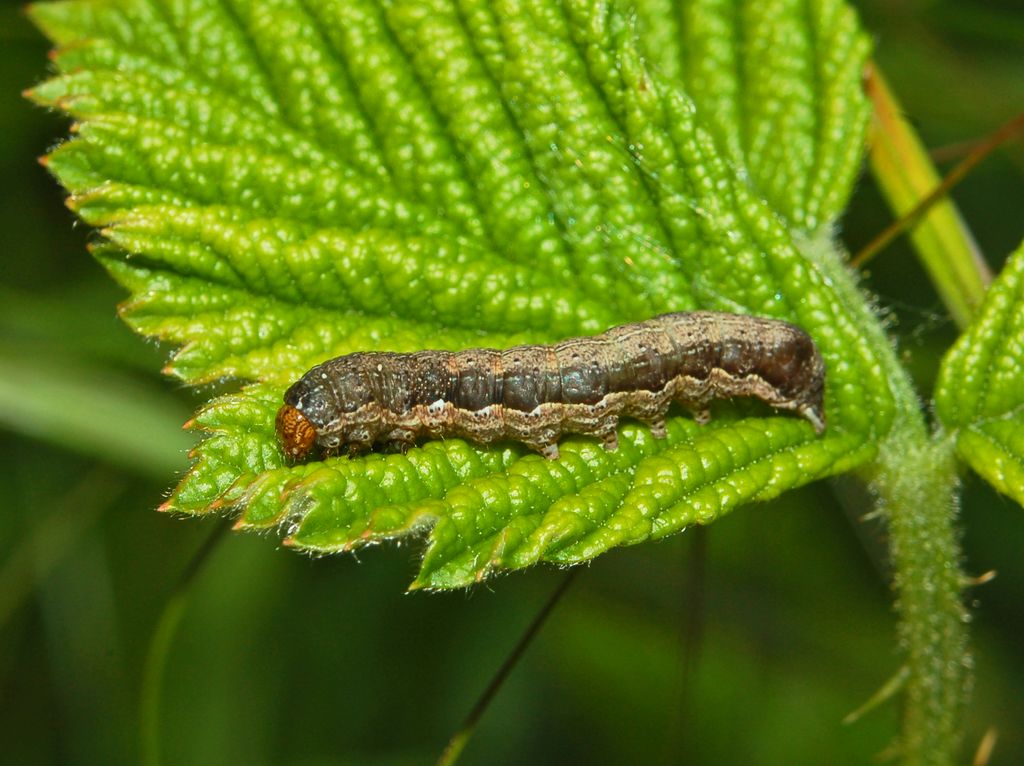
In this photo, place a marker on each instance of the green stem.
(917, 486)
(461, 738)
(906, 175)
(916, 482)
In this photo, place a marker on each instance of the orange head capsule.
(295, 433)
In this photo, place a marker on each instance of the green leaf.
(979, 395)
(779, 83)
(282, 182)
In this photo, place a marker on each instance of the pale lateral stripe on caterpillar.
(534, 394)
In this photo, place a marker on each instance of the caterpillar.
(534, 394)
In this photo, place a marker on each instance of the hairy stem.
(917, 486)
(916, 481)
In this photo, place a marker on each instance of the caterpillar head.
(295, 433)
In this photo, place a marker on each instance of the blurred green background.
(284, 659)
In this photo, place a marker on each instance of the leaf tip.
(482, 573)
(220, 502)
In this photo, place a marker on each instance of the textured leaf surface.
(282, 182)
(778, 82)
(980, 395)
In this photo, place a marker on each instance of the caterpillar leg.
(610, 441)
(356, 448)
(550, 451)
(702, 416)
(658, 428)
(400, 440)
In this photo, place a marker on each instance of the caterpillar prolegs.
(535, 394)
